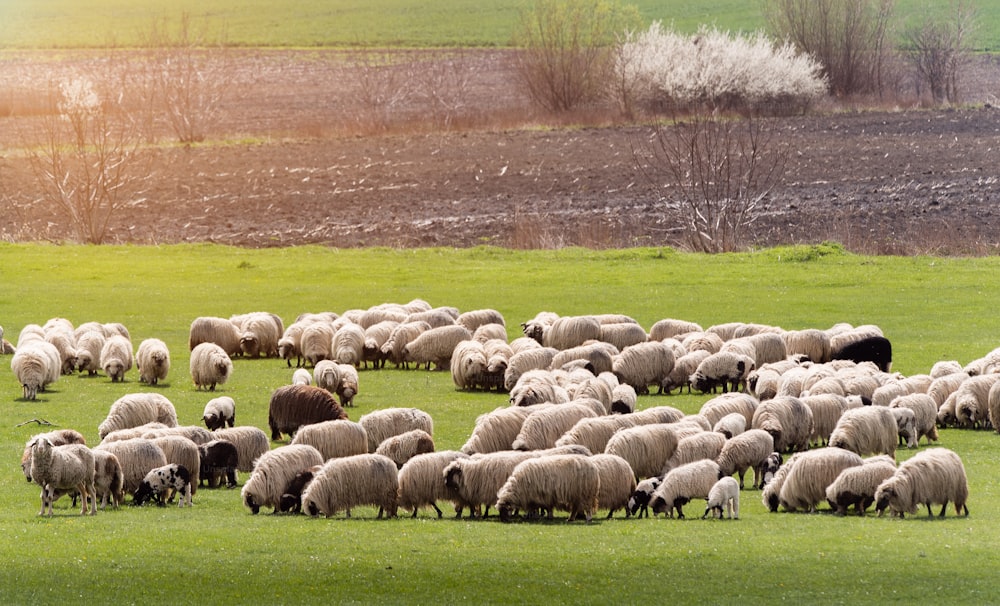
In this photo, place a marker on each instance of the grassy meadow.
(217, 552)
(306, 23)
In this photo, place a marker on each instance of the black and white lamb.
(160, 483)
(219, 412)
(638, 503)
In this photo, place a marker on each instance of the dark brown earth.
(293, 170)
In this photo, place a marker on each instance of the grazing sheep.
(137, 457)
(750, 449)
(291, 497)
(273, 471)
(326, 375)
(623, 334)
(731, 425)
(472, 320)
(826, 410)
(856, 486)
(681, 484)
(468, 364)
(680, 374)
(720, 406)
(813, 471)
(137, 409)
(132, 432)
(421, 481)
(538, 358)
(701, 445)
(726, 369)
(33, 368)
(382, 424)
(946, 413)
(944, 368)
(338, 438)
(435, 346)
(159, 483)
(542, 428)
(108, 478)
(725, 494)
(365, 479)
(376, 336)
(769, 347)
(935, 475)
(643, 365)
(182, 451)
(972, 400)
(536, 327)
(623, 399)
(63, 342)
(439, 316)
(638, 503)
(219, 331)
(401, 335)
(317, 342)
(763, 383)
(568, 482)
(597, 357)
(866, 430)
(219, 412)
(153, 361)
(63, 468)
(906, 426)
(219, 459)
(870, 349)
(617, 483)
(647, 448)
(669, 328)
(349, 345)
(657, 414)
(498, 355)
(497, 430)
(293, 406)
(88, 351)
(58, 437)
(259, 334)
(210, 366)
(942, 387)
(195, 433)
(787, 419)
(570, 331)
(811, 342)
(301, 376)
(538, 387)
(401, 448)
(251, 442)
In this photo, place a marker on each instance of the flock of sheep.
(799, 408)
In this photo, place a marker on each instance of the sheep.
(88, 351)
(944, 368)
(935, 475)
(159, 482)
(365, 479)
(527, 360)
(153, 361)
(182, 451)
(569, 482)
(875, 349)
(326, 375)
(702, 445)
(856, 486)
(623, 334)
(811, 342)
(433, 317)
(657, 414)
(338, 438)
(273, 471)
(769, 347)
(387, 422)
(906, 426)
(490, 332)
(291, 497)
(401, 335)
(669, 327)
(647, 448)
(259, 334)
(63, 468)
(972, 400)
(349, 345)
(826, 410)
(680, 375)
(498, 355)
(64, 344)
(726, 369)
(597, 357)
(681, 484)
(108, 478)
(435, 346)
(749, 449)
(290, 344)
(219, 412)
(946, 413)
(720, 406)
(731, 425)
(391, 312)
(725, 494)
(813, 471)
(421, 481)
(58, 437)
(942, 387)
(468, 364)
(137, 457)
(787, 419)
(33, 368)
(571, 331)
(317, 342)
(292, 406)
(617, 483)
(376, 336)
(136, 409)
(210, 366)
(643, 365)
(402, 447)
(866, 430)
(219, 459)
(472, 320)
(536, 327)
(542, 428)
(623, 399)
(497, 430)
(301, 376)
(220, 331)
(251, 442)
(132, 432)
(195, 433)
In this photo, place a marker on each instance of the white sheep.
(63, 341)
(617, 483)
(210, 366)
(856, 486)
(376, 336)
(403, 334)
(747, 450)
(301, 376)
(33, 368)
(251, 442)
(345, 483)
(88, 351)
(421, 481)
(387, 422)
(337, 438)
(866, 430)
(543, 427)
(643, 365)
(567, 482)
(210, 329)
(787, 419)
(826, 411)
(153, 361)
(537, 358)
(647, 448)
(439, 316)
(944, 386)
(349, 344)
(472, 320)
(498, 355)
(538, 387)
(273, 471)
(63, 468)
(680, 375)
(326, 374)
(570, 331)
(259, 334)
(804, 487)
(731, 425)
(195, 433)
(468, 364)
(57, 437)
(137, 456)
(435, 346)
(595, 356)
(811, 342)
(402, 447)
(219, 412)
(317, 342)
(109, 480)
(670, 327)
(707, 342)
(935, 475)
(726, 369)
(623, 334)
(594, 432)
(116, 358)
(724, 495)
(497, 430)
(132, 432)
(702, 445)
(972, 400)
(682, 484)
(720, 406)
(137, 409)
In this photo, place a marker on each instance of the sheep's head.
(115, 369)
(659, 505)
(453, 476)
(213, 421)
(882, 498)
(83, 360)
(250, 501)
(142, 494)
(249, 344)
(506, 512)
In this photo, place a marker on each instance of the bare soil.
(293, 170)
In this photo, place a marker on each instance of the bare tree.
(382, 85)
(938, 47)
(718, 170)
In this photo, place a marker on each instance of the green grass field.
(216, 552)
(304, 23)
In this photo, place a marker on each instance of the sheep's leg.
(439, 512)
(943, 509)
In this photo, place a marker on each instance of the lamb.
(376, 336)
(638, 503)
(725, 494)
(726, 369)
(137, 457)
(219, 412)
(870, 349)
(435, 346)
(401, 335)
(292, 406)
(88, 351)
(702, 445)
(750, 449)
(468, 364)
(108, 478)
(542, 428)
(643, 365)
(731, 425)
(935, 475)
(571, 331)
(684, 367)
(291, 497)
(669, 327)
(210, 366)
(273, 471)
(251, 442)
(63, 468)
(137, 409)
(33, 368)
(680, 485)
(366, 479)
(623, 399)
(153, 361)
(259, 334)
(856, 486)
(182, 451)
(647, 448)
(523, 361)
(219, 459)
(401, 448)
(159, 482)
(497, 430)
(317, 342)
(387, 422)
(811, 342)
(569, 482)
(219, 331)
(349, 345)
(338, 438)
(813, 471)
(866, 430)
(421, 481)
(301, 376)
(472, 320)
(787, 419)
